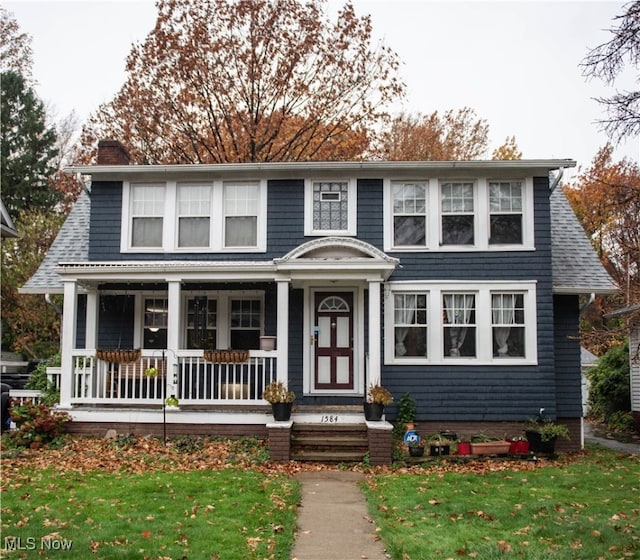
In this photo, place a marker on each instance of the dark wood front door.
(333, 333)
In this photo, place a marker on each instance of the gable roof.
(575, 264)
(70, 245)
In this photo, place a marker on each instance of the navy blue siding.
(567, 345)
(441, 392)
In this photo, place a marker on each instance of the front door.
(333, 345)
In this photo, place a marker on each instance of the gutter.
(557, 179)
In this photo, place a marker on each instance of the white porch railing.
(196, 380)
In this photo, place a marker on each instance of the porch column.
(374, 333)
(69, 321)
(283, 331)
(173, 336)
(91, 331)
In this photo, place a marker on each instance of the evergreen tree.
(27, 147)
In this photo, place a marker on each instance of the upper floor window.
(241, 210)
(505, 211)
(458, 216)
(330, 207)
(147, 214)
(195, 217)
(409, 214)
(194, 209)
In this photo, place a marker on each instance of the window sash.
(147, 215)
(409, 214)
(241, 207)
(410, 325)
(505, 212)
(457, 206)
(331, 214)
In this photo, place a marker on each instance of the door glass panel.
(324, 369)
(342, 369)
(342, 332)
(324, 336)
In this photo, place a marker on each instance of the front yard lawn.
(586, 507)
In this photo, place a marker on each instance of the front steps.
(329, 443)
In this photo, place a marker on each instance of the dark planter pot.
(373, 411)
(416, 451)
(537, 445)
(439, 450)
(281, 410)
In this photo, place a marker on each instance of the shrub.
(38, 381)
(610, 391)
(36, 425)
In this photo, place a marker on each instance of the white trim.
(216, 215)
(481, 215)
(352, 209)
(484, 343)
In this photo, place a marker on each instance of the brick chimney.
(112, 152)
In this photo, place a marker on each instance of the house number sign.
(329, 419)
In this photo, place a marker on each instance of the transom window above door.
(330, 207)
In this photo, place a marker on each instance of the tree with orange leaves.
(251, 80)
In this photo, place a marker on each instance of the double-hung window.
(505, 212)
(456, 323)
(147, 215)
(459, 327)
(194, 215)
(330, 207)
(508, 325)
(246, 317)
(409, 214)
(241, 208)
(410, 325)
(457, 213)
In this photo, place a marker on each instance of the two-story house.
(457, 282)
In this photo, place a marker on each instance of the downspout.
(557, 179)
(586, 306)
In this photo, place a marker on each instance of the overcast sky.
(515, 63)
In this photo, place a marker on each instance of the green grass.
(228, 514)
(588, 509)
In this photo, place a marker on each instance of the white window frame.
(216, 215)
(483, 291)
(390, 244)
(482, 212)
(352, 211)
(207, 213)
(474, 213)
(226, 215)
(128, 215)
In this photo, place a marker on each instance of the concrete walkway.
(589, 436)
(333, 521)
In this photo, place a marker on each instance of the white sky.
(515, 63)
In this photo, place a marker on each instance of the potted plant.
(281, 400)
(377, 398)
(482, 444)
(518, 446)
(416, 447)
(464, 447)
(542, 434)
(439, 445)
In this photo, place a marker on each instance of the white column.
(374, 333)
(283, 331)
(173, 335)
(69, 321)
(91, 330)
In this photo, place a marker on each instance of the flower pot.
(490, 448)
(464, 448)
(268, 343)
(439, 449)
(416, 451)
(519, 447)
(373, 411)
(537, 445)
(281, 411)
